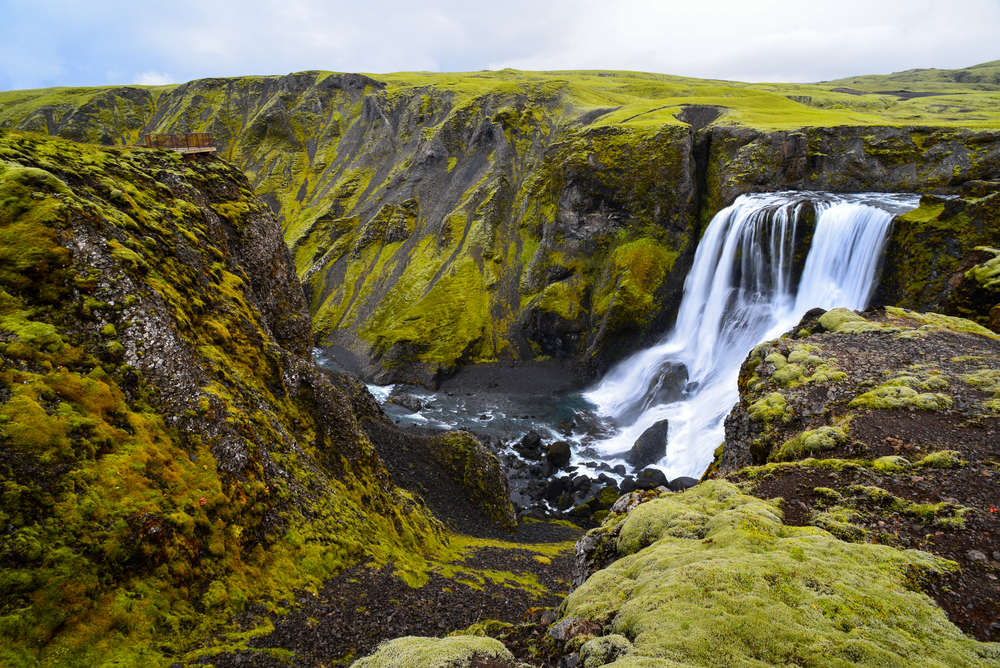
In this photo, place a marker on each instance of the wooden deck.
(192, 142)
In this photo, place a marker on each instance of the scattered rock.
(682, 483)
(650, 479)
(649, 448)
(571, 628)
(404, 400)
(558, 454)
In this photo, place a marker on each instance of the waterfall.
(742, 289)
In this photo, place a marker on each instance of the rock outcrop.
(168, 449)
(881, 427)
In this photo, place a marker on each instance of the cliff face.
(168, 450)
(443, 219)
(939, 256)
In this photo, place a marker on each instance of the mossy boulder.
(450, 652)
(747, 587)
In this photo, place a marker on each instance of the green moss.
(894, 395)
(954, 324)
(639, 268)
(943, 459)
(564, 298)
(891, 464)
(770, 408)
(604, 650)
(833, 319)
(757, 591)
(811, 442)
(451, 652)
(839, 521)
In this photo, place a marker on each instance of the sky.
(45, 43)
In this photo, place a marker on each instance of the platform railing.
(191, 142)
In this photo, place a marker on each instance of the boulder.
(558, 454)
(407, 401)
(649, 448)
(531, 446)
(682, 483)
(649, 479)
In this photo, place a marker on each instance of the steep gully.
(761, 264)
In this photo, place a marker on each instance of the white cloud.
(154, 79)
(62, 42)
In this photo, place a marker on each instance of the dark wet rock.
(558, 454)
(407, 401)
(531, 441)
(649, 448)
(682, 483)
(628, 484)
(650, 479)
(531, 446)
(666, 386)
(557, 487)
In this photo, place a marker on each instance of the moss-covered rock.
(932, 261)
(168, 450)
(451, 652)
(753, 589)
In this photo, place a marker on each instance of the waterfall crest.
(748, 283)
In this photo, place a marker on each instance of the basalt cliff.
(442, 220)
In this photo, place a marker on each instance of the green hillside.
(443, 219)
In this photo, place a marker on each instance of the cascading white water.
(738, 293)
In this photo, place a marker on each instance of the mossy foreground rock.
(444, 219)
(453, 652)
(168, 450)
(751, 590)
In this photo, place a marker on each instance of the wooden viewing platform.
(191, 142)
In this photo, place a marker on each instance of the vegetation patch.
(756, 590)
(811, 442)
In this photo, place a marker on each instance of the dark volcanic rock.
(649, 479)
(558, 454)
(682, 483)
(407, 401)
(649, 448)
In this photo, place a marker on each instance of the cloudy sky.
(75, 43)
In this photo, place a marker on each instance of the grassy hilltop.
(442, 219)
